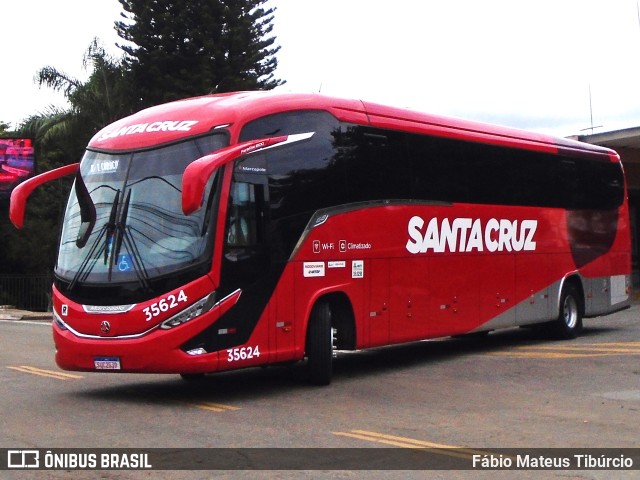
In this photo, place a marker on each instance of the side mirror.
(21, 193)
(198, 173)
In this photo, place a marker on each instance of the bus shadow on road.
(397, 357)
(256, 382)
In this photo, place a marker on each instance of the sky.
(553, 66)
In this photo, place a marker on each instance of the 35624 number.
(242, 353)
(164, 305)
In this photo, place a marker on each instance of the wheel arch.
(575, 280)
(342, 317)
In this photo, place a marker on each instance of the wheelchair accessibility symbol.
(124, 263)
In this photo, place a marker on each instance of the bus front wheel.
(319, 345)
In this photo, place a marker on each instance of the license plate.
(107, 363)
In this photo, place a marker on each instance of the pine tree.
(180, 48)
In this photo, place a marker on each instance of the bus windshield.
(124, 222)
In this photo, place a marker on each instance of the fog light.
(197, 351)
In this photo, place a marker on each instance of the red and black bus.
(257, 228)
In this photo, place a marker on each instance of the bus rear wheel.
(569, 322)
(319, 345)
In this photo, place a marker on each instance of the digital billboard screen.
(17, 163)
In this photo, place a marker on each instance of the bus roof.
(195, 116)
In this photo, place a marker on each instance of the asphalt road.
(513, 389)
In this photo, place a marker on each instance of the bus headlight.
(58, 321)
(189, 313)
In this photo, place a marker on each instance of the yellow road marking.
(589, 349)
(45, 373)
(551, 355)
(571, 351)
(405, 442)
(211, 406)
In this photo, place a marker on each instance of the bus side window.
(244, 220)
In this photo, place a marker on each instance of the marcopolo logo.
(468, 235)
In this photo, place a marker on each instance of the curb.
(14, 314)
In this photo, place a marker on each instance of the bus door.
(246, 262)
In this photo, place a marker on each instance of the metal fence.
(26, 292)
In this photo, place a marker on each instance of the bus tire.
(569, 322)
(319, 345)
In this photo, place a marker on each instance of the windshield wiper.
(111, 228)
(138, 265)
(93, 255)
(122, 223)
(115, 233)
(123, 234)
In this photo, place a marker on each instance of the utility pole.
(592, 127)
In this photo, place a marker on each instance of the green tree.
(180, 48)
(60, 137)
(99, 101)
